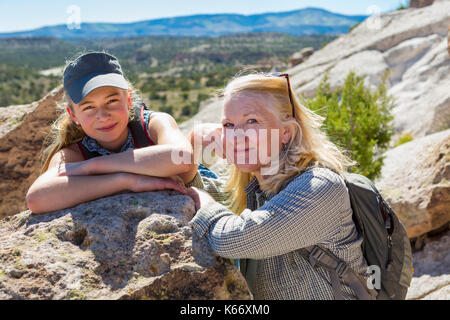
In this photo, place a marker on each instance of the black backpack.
(385, 246)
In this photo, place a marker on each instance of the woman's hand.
(142, 183)
(208, 134)
(200, 197)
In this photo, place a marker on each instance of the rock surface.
(128, 246)
(431, 280)
(20, 147)
(420, 3)
(416, 182)
(412, 44)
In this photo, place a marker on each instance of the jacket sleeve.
(213, 186)
(305, 213)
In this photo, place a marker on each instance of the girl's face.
(253, 134)
(103, 115)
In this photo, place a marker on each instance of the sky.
(19, 15)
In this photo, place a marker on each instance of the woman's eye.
(112, 101)
(252, 121)
(228, 125)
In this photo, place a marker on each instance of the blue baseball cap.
(91, 71)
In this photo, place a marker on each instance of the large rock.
(416, 182)
(128, 246)
(431, 280)
(420, 3)
(412, 45)
(20, 146)
(423, 97)
(448, 40)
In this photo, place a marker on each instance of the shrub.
(357, 119)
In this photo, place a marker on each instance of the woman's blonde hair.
(308, 145)
(64, 132)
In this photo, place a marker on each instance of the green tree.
(357, 119)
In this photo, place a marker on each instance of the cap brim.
(78, 90)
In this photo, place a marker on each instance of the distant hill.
(306, 21)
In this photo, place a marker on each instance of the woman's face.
(103, 115)
(253, 134)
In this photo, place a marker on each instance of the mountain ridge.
(306, 21)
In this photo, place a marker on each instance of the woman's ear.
(286, 134)
(72, 116)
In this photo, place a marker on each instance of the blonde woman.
(275, 211)
(106, 141)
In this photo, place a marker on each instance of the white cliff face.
(412, 45)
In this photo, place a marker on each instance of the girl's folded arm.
(52, 192)
(171, 156)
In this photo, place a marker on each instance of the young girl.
(107, 142)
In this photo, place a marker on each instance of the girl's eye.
(252, 121)
(88, 108)
(228, 125)
(112, 101)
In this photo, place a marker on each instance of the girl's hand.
(142, 183)
(200, 197)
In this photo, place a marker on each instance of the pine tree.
(357, 119)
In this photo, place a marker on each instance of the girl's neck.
(115, 146)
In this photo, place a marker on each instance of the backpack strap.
(86, 153)
(138, 127)
(338, 270)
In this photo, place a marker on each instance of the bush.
(358, 120)
(167, 109)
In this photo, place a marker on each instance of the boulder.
(295, 59)
(416, 182)
(306, 52)
(448, 40)
(20, 147)
(423, 93)
(301, 56)
(431, 279)
(420, 3)
(127, 246)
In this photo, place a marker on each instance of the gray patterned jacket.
(314, 208)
